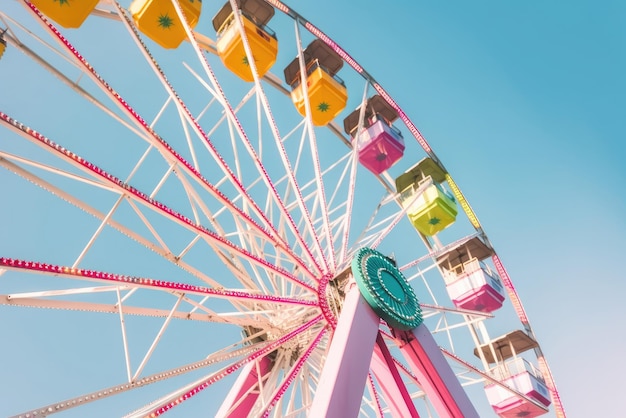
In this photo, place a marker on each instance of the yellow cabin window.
(327, 95)
(69, 14)
(158, 20)
(230, 47)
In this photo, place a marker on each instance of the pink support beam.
(340, 389)
(434, 373)
(393, 388)
(245, 391)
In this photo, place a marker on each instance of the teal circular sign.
(386, 289)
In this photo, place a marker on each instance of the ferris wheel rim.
(311, 287)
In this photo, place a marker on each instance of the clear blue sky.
(525, 104)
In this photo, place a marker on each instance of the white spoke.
(157, 338)
(104, 222)
(124, 338)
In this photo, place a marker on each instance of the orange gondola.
(159, 21)
(69, 14)
(327, 93)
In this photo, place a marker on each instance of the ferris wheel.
(190, 228)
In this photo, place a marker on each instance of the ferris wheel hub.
(386, 289)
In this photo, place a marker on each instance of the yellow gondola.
(254, 14)
(67, 13)
(327, 93)
(158, 19)
(432, 210)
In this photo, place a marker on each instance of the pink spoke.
(379, 408)
(234, 367)
(293, 373)
(124, 188)
(163, 146)
(246, 389)
(92, 275)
